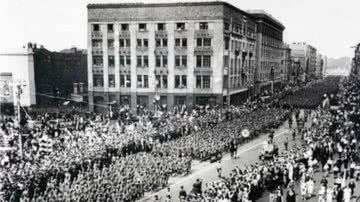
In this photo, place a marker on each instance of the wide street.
(247, 154)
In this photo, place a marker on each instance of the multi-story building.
(319, 66)
(46, 75)
(306, 55)
(355, 64)
(269, 51)
(172, 53)
(286, 62)
(17, 66)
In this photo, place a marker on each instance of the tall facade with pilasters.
(169, 54)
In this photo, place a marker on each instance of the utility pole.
(19, 85)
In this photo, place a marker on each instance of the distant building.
(269, 51)
(48, 75)
(319, 72)
(286, 63)
(355, 64)
(17, 66)
(169, 54)
(56, 73)
(305, 54)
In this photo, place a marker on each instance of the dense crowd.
(71, 157)
(329, 145)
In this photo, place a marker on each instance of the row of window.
(143, 27)
(180, 81)
(159, 42)
(160, 61)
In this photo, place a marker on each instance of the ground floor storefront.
(101, 101)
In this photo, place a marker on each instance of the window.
(227, 26)
(111, 61)
(122, 60)
(203, 25)
(124, 27)
(139, 61)
(122, 43)
(146, 81)
(177, 81)
(180, 42)
(146, 61)
(227, 43)
(198, 81)
(125, 81)
(207, 42)
(199, 42)
(180, 26)
(164, 60)
(161, 81)
(97, 43)
(98, 80)
(183, 81)
(161, 61)
(146, 43)
(180, 61)
(164, 42)
(161, 26)
(111, 43)
(139, 81)
(206, 61)
(203, 61)
(180, 100)
(138, 42)
(158, 61)
(184, 60)
(142, 27)
(184, 42)
(198, 61)
(164, 81)
(128, 60)
(158, 81)
(98, 60)
(206, 81)
(157, 42)
(110, 28)
(111, 80)
(203, 42)
(203, 81)
(127, 42)
(96, 27)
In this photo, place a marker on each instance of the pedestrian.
(182, 193)
(347, 194)
(329, 194)
(290, 195)
(286, 143)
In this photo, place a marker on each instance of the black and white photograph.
(179, 101)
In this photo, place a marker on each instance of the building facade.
(287, 63)
(59, 74)
(17, 67)
(305, 54)
(169, 54)
(355, 63)
(269, 52)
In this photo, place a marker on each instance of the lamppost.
(18, 87)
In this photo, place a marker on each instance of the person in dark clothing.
(290, 195)
(182, 193)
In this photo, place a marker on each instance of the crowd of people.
(72, 157)
(329, 146)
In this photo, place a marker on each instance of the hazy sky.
(332, 26)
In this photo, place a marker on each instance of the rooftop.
(262, 14)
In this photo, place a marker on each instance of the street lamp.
(18, 87)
